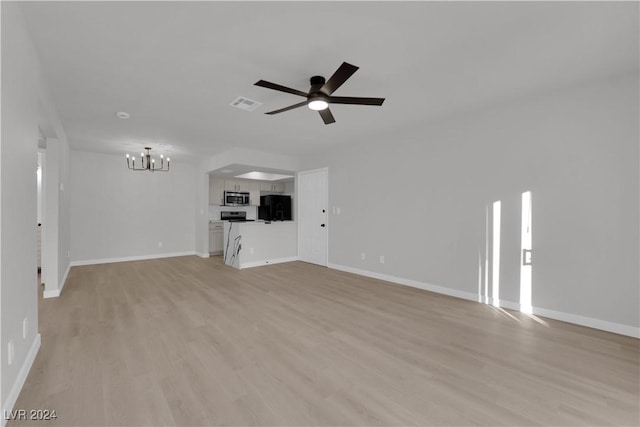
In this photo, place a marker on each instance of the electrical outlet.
(334, 210)
(251, 250)
(159, 244)
(363, 256)
(381, 259)
(25, 328)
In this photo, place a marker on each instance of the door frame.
(298, 209)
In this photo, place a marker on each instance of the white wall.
(118, 213)
(420, 200)
(56, 226)
(64, 209)
(201, 229)
(18, 193)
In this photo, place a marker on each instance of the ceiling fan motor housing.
(317, 80)
(316, 84)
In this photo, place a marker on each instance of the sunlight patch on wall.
(489, 259)
(495, 255)
(525, 265)
(486, 257)
(483, 261)
(480, 275)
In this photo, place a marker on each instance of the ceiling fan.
(319, 96)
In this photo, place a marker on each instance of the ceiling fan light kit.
(319, 95)
(318, 103)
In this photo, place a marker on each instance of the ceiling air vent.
(245, 104)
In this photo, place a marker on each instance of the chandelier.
(147, 163)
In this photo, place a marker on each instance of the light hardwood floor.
(189, 341)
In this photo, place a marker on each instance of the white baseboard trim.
(11, 399)
(589, 322)
(616, 328)
(576, 319)
(267, 262)
(407, 282)
(129, 258)
(64, 278)
(53, 293)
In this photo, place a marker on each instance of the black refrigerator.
(275, 208)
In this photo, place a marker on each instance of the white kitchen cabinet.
(254, 193)
(216, 190)
(273, 187)
(236, 185)
(216, 238)
(266, 186)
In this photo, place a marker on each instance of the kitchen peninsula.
(256, 243)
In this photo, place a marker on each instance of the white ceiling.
(176, 66)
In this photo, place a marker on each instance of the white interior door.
(312, 216)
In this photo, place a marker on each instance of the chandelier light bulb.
(127, 155)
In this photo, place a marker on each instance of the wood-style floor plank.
(190, 341)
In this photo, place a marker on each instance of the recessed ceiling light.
(226, 171)
(123, 115)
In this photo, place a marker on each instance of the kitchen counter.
(256, 243)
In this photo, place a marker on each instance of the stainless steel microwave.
(234, 198)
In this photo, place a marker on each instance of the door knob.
(321, 225)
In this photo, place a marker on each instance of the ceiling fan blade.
(355, 100)
(341, 75)
(281, 88)
(327, 117)
(290, 107)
